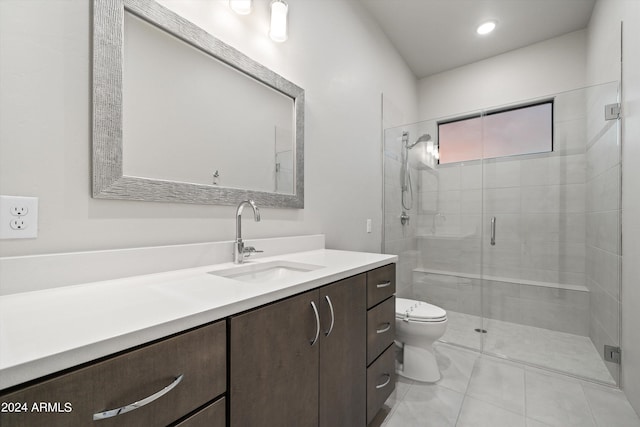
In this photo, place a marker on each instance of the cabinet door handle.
(384, 329)
(315, 312)
(383, 284)
(140, 403)
(333, 317)
(386, 382)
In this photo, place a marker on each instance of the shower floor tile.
(560, 351)
(480, 390)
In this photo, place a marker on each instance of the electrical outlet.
(18, 224)
(18, 210)
(18, 217)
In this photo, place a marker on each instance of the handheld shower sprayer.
(423, 138)
(406, 187)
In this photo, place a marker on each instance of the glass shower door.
(551, 245)
(547, 291)
(433, 223)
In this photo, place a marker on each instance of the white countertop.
(46, 331)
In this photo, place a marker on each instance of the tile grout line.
(399, 400)
(526, 412)
(593, 418)
(464, 396)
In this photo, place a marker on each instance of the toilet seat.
(419, 311)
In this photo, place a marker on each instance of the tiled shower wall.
(603, 254)
(538, 201)
(540, 205)
(399, 239)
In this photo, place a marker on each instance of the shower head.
(423, 138)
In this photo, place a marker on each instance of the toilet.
(418, 326)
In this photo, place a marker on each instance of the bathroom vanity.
(250, 350)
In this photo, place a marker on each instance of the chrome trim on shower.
(493, 231)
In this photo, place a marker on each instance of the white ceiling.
(437, 35)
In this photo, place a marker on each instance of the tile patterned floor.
(478, 390)
(573, 354)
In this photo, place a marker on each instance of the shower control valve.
(404, 218)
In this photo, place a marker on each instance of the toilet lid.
(418, 311)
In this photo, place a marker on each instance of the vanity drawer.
(213, 415)
(381, 381)
(381, 328)
(381, 284)
(73, 398)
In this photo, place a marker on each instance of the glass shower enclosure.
(523, 251)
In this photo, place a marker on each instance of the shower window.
(507, 132)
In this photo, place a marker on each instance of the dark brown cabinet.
(190, 368)
(273, 368)
(301, 361)
(343, 354)
(381, 318)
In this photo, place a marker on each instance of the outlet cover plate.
(30, 219)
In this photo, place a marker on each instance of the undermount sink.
(266, 271)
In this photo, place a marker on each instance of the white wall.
(336, 53)
(511, 77)
(192, 113)
(603, 64)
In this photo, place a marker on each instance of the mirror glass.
(193, 119)
(180, 116)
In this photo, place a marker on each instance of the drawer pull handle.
(333, 317)
(384, 384)
(383, 284)
(384, 329)
(315, 312)
(140, 403)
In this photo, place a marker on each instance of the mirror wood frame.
(109, 182)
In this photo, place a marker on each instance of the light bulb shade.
(278, 30)
(241, 7)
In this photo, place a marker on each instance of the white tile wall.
(570, 137)
(502, 173)
(563, 310)
(570, 106)
(603, 221)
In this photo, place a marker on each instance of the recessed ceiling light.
(241, 7)
(486, 27)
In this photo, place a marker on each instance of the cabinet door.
(343, 353)
(273, 366)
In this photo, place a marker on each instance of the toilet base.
(419, 363)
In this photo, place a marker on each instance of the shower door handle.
(493, 231)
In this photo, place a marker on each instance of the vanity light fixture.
(241, 7)
(486, 28)
(278, 30)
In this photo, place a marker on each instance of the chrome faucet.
(240, 252)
